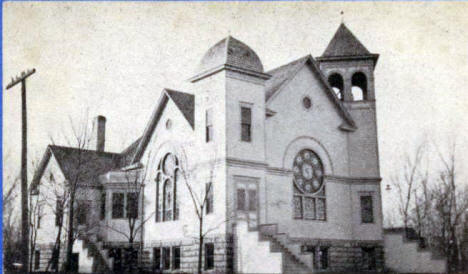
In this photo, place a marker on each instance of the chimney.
(100, 132)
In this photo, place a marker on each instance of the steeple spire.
(344, 43)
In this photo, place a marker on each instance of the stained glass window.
(321, 209)
(309, 188)
(167, 201)
(309, 208)
(167, 179)
(298, 207)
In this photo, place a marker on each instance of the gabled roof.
(283, 74)
(79, 166)
(128, 153)
(185, 102)
(344, 43)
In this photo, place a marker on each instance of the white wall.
(182, 141)
(48, 192)
(294, 128)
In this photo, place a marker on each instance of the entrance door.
(247, 203)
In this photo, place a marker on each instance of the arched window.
(336, 82)
(359, 86)
(167, 177)
(167, 211)
(309, 188)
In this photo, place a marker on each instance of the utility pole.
(24, 166)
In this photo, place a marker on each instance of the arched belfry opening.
(359, 86)
(336, 82)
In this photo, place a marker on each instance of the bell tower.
(349, 68)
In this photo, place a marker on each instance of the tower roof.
(344, 43)
(233, 52)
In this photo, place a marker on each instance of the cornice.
(353, 180)
(217, 69)
(246, 163)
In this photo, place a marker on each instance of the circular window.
(168, 124)
(307, 102)
(308, 171)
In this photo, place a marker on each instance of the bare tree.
(80, 140)
(433, 201)
(55, 196)
(201, 194)
(450, 204)
(36, 213)
(135, 177)
(406, 182)
(11, 229)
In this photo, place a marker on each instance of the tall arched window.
(336, 82)
(359, 86)
(166, 189)
(167, 211)
(309, 188)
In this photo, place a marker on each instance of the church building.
(281, 166)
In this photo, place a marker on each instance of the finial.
(342, 17)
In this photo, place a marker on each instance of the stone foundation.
(223, 254)
(45, 257)
(348, 256)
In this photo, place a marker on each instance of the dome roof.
(233, 52)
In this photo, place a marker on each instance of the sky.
(113, 59)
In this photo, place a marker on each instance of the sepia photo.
(235, 137)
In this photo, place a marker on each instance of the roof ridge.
(84, 149)
(303, 58)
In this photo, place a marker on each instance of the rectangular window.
(241, 199)
(323, 257)
(166, 258)
(209, 125)
(209, 256)
(297, 207)
(309, 208)
(82, 212)
(176, 257)
(368, 258)
(367, 215)
(321, 209)
(103, 206)
(252, 200)
(157, 258)
(246, 124)
(132, 205)
(37, 259)
(117, 205)
(209, 198)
